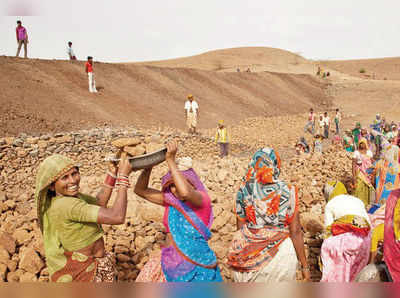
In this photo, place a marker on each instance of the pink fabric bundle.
(344, 256)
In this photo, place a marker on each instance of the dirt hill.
(255, 58)
(49, 95)
(380, 69)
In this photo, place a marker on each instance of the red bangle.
(110, 181)
(123, 184)
(122, 179)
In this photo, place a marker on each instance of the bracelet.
(123, 182)
(120, 181)
(120, 185)
(110, 181)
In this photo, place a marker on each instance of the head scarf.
(263, 199)
(333, 189)
(50, 170)
(304, 144)
(363, 141)
(189, 174)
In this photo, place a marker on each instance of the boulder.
(14, 276)
(12, 265)
(3, 271)
(311, 223)
(28, 277)
(222, 175)
(30, 261)
(140, 243)
(123, 258)
(151, 212)
(22, 236)
(7, 242)
(4, 256)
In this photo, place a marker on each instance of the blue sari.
(189, 258)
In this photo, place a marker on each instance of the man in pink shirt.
(310, 123)
(22, 38)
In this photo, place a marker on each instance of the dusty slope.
(255, 58)
(382, 68)
(42, 95)
(365, 98)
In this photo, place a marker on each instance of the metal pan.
(148, 160)
(144, 161)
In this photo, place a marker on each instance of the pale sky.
(123, 30)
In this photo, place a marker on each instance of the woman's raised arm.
(117, 213)
(142, 189)
(185, 190)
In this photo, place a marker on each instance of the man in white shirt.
(327, 125)
(192, 113)
(70, 52)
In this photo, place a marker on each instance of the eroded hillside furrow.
(40, 96)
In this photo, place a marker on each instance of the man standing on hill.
(70, 51)
(192, 112)
(311, 122)
(22, 38)
(89, 71)
(338, 119)
(222, 138)
(327, 125)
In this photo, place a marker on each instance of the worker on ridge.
(22, 38)
(70, 52)
(222, 138)
(89, 71)
(192, 112)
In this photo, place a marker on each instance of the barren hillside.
(255, 58)
(380, 69)
(49, 95)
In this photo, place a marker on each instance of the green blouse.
(70, 224)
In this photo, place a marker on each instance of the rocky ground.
(21, 247)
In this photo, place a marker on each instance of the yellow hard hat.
(221, 122)
(190, 96)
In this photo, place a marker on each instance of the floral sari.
(267, 205)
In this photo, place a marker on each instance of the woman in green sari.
(71, 221)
